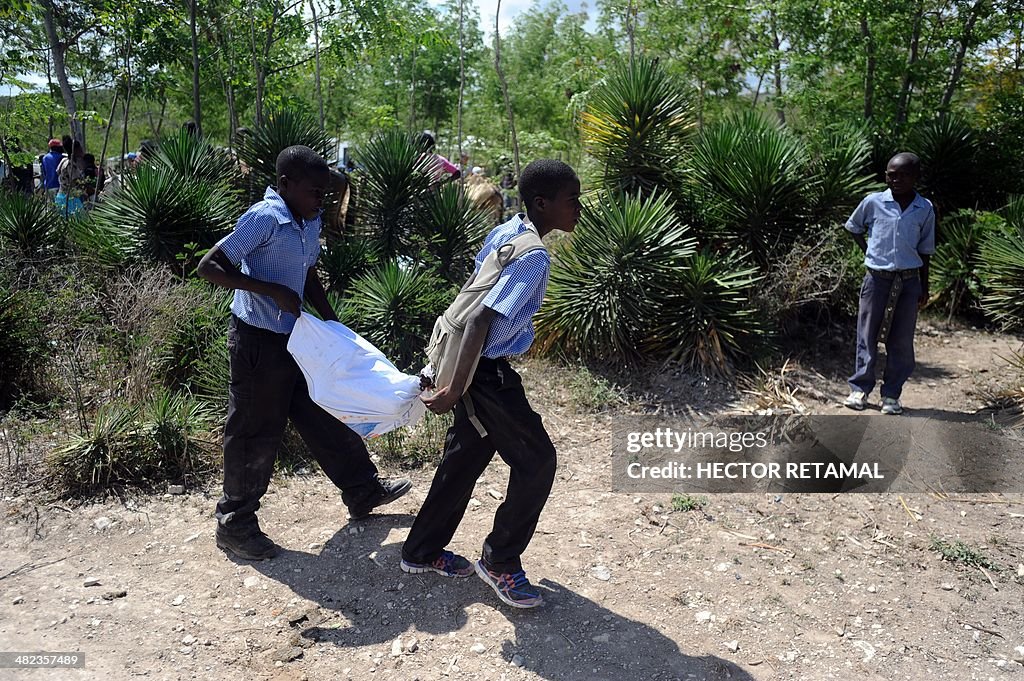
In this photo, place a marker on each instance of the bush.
(611, 280)
(280, 129)
(163, 440)
(30, 228)
(346, 259)
(24, 348)
(707, 322)
(454, 231)
(393, 184)
(752, 182)
(417, 446)
(192, 157)
(158, 215)
(636, 124)
(954, 279)
(394, 307)
(1002, 269)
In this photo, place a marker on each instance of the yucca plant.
(708, 322)
(1002, 269)
(190, 156)
(753, 181)
(841, 165)
(165, 214)
(346, 259)
(394, 183)
(177, 428)
(636, 124)
(954, 279)
(29, 226)
(110, 452)
(453, 228)
(394, 307)
(948, 148)
(610, 281)
(280, 129)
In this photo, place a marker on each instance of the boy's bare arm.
(477, 326)
(317, 296)
(862, 243)
(216, 268)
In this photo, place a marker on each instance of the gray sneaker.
(857, 400)
(892, 406)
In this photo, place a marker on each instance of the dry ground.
(752, 586)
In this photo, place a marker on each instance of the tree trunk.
(777, 68)
(106, 134)
(85, 107)
(316, 72)
(958, 63)
(903, 103)
(462, 82)
(57, 51)
(504, 89)
(197, 114)
(872, 64)
(49, 90)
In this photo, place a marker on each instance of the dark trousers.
(498, 404)
(899, 344)
(267, 389)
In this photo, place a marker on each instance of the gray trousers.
(899, 341)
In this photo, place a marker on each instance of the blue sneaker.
(448, 564)
(512, 588)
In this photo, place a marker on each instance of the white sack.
(352, 380)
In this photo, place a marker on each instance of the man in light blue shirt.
(896, 231)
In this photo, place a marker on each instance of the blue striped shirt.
(516, 296)
(896, 238)
(271, 247)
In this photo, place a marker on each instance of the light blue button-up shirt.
(896, 238)
(271, 246)
(516, 296)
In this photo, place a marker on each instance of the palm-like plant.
(954, 279)
(948, 148)
(346, 259)
(395, 180)
(1002, 269)
(190, 156)
(166, 214)
(453, 229)
(754, 184)
(394, 307)
(29, 226)
(611, 280)
(708, 321)
(636, 123)
(841, 167)
(280, 129)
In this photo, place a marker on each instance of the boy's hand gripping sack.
(445, 341)
(352, 380)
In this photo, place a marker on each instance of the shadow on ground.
(356, 575)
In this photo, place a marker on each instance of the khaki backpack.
(445, 341)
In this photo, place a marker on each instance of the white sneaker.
(857, 400)
(890, 405)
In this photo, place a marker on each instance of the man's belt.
(897, 277)
(896, 274)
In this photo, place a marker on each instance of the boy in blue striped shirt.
(277, 243)
(494, 414)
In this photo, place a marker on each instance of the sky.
(511, 8)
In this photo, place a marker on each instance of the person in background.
(70, 175)
(442, 169)
(49, 164)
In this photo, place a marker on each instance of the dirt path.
(752, 586)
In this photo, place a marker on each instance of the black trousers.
(497, 404)
(267, 389)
